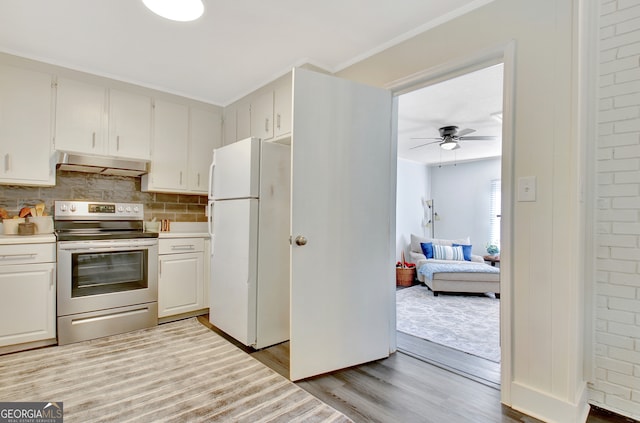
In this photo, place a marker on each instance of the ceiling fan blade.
(440, 139)
(464, 132)
(422, 145)
(478, 138)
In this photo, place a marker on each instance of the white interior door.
(343, 181)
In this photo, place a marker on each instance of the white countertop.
(174, 234)
(186, 230)
(26, 239)
(178, 230)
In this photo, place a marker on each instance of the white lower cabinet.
(28, 300)
(181, 281)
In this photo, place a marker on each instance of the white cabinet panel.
(25, 127)
(80, 117)
(243, 120)
(282, 107)
(184, 139)
(229, 125)
(265, 114)
(262, 116)
(170, 154)
(129, 125)
(27, 303)
(204, 137)
(181, 283)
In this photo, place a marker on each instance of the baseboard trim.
(548, 408)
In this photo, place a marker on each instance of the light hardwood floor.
(405, 389)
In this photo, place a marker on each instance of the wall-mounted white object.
(527, 188)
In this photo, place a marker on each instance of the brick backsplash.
(93, 187)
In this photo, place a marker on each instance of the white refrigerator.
(249, 222)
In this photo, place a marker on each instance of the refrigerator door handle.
(210, 217)
(211, 168)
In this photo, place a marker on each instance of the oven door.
(99, 275)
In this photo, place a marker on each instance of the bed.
(448, 271)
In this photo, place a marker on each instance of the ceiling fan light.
(176, 10)
(448, 144)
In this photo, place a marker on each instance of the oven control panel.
(71, 210)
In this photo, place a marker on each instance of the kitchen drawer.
(27, 253)
(180, 245)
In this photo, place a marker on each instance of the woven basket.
(405, 277)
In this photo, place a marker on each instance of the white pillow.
(444, 252)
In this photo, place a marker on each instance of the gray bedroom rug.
(179, 371)
(464, 322)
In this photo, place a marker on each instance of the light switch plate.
(527, 188)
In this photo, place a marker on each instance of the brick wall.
(88, 186)
(617, 328)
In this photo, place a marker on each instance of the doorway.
(447, 194)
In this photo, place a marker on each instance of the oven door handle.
(110, 245)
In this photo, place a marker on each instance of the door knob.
(300, 240)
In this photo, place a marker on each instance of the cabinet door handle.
(198, 179)
(160, 269)
(93, 140)
(266, 125)
(183, 247)
(51, 279)
(7, 162)
(278, 121)
(17, 256)
(180, 177)
(118, 143)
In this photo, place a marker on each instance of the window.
(495, 210)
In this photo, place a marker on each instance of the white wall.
(461, 195)
(413, 187)
(542, 267)
(617, 326)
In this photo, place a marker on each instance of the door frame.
(503, 53)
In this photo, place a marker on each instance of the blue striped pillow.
(444, 252)
(466, 250)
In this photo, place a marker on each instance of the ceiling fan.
(450, 138)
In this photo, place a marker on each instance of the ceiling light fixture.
(176, 10)
(449, 144)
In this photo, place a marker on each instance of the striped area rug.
(180, 371)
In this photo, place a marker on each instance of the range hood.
(102, 165)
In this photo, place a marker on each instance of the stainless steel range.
(107, 270)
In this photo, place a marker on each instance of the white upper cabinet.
(282, 107)
(204, 136)
(92, 119)
(243, 120)
(25, 127)
(80, 117)
(229, 125)
(262, 116)
(265, 114)
(183, 143)
(129, 125)
(170, 154)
